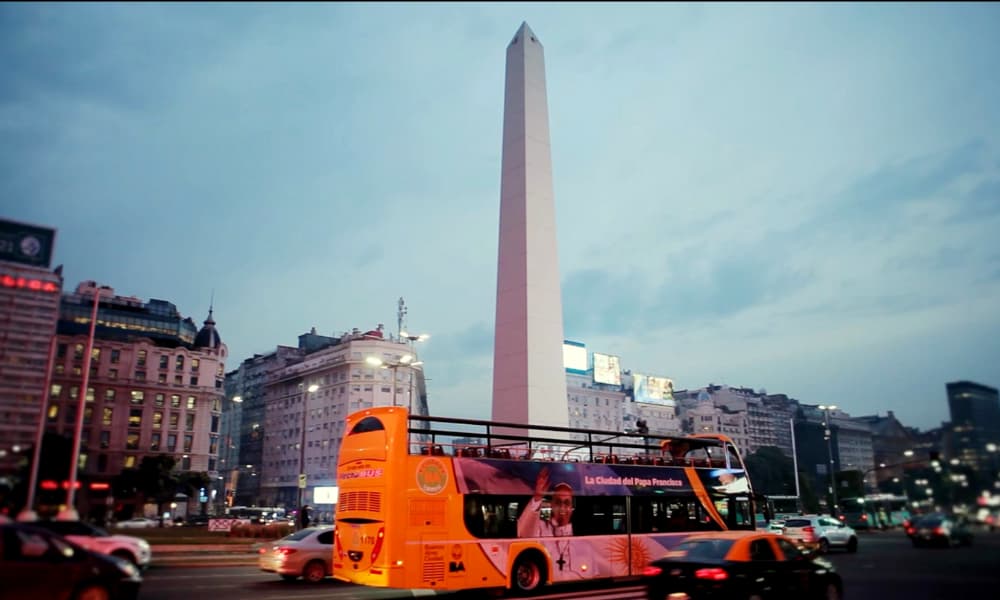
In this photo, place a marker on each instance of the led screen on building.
(26, 244)
(653, 390)
(574, 357)
(607, 369)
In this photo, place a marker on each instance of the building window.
(154, 442)
(107, 415)
(112, 373)
(158, 401)
(116, 356)
(90, 394)
(129, 461)
(216, 405)
(70, 414)
(164, 361)
(60, 369)
(109, 395)
(88, 413)
(132, 441)
(189, 422)
(171, 442)
(180, 363)
(141, 359)
(195, 363)
(78, 352)
(102, 463)
(194, 380)
(157, 419)
(140, 376)
(215, 424)
(173, 420)
(135, 417)
(95, 355)
(138, 396)
(161, 378)
(74, 392)
(175, 401)
(53, 413)
(192, 402)
(213, 446)
(61, 351)
(105, 439)
(188, 439)
(178, 380)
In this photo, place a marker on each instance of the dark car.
(939, 529)
(741, 564)
(36, 563)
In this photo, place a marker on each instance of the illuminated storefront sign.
(28, 283)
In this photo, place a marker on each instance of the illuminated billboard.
(653, 390)
(26, 244)
(607, 369)
(574, 357)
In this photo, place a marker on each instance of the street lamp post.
(412, 340)
(28, 512)
(828, 434)
(404, 361)
(302, 443)
(69, 513)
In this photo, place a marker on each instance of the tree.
(154, 480)
(771, 472)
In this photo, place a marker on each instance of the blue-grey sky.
(803, 198)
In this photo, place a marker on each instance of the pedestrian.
(304, 517)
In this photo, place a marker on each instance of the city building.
(293, 403)
(29, 294)
(154, 385)
(975, 428)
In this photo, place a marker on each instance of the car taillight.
(940, 530)
(864, 517)
(809, 529)
(713, 574)
(651, 571)
(910, 530)
(379, 538)
(285, 551)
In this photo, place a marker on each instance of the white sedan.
(137, 523)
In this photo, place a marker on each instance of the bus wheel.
(528, 574)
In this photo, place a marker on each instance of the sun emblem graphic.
(621, 550)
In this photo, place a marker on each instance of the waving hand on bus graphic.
(530, 524)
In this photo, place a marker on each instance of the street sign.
(302, 480)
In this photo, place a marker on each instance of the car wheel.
(125, 555)
(528, 574)
(852, 545)
(824, 546)
(314, 572)
(93, 592)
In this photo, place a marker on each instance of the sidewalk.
(206, 555)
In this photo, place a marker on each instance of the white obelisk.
(529, 379)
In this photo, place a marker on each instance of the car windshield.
(701, 549)
(298, 535)
(73, 528)
(931, 521)
(797, 523)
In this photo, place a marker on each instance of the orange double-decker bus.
(445, 503)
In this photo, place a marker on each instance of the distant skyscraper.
(529, 382)
(975, 426)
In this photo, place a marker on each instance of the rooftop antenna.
(400, 316)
